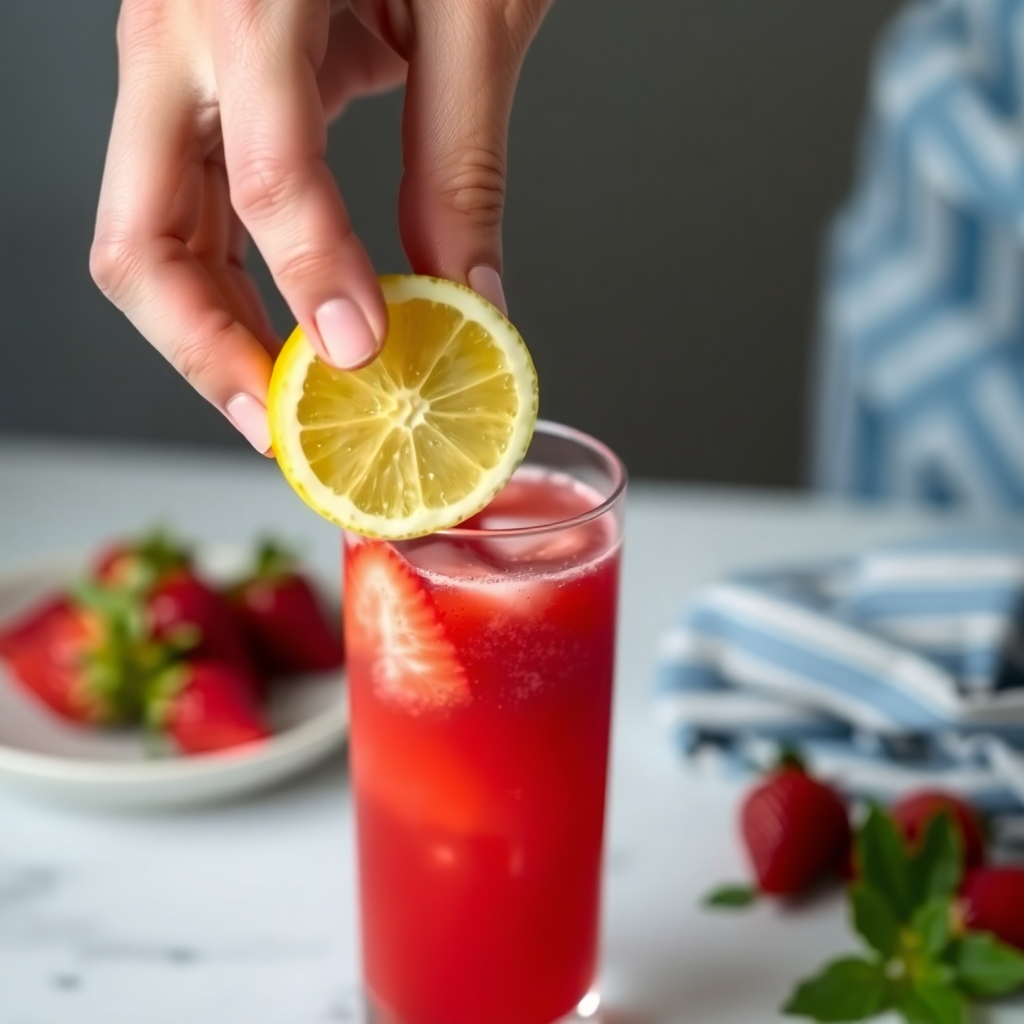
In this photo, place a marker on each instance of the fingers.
(219, 243)
(266, 57)
(464, 65)
(150, 205)
(357, 63)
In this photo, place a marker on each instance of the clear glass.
(480, 690)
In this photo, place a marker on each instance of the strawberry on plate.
(136, 562)
(205, 706)
(392, 624)
(87, 661)
(183, 608)
(281, 618)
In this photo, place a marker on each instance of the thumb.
(464, 63)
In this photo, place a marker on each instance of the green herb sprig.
(921, 961)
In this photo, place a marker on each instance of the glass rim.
(617, 472)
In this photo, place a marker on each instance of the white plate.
(48, 757)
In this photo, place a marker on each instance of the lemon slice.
(423, 437)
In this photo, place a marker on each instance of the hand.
(219, 135)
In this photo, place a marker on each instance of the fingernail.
(249, 416)
(486, 282)
(346, 334)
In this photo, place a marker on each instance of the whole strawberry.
(992, 900)
(141, 561)
(183, 608)
(795, 828)
(915, 812)
(205, 706)
(282, 619)
(87, 657)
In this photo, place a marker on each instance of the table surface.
(246, 912)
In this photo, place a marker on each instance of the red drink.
(480, 671)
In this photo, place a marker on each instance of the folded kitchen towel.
(894, 670)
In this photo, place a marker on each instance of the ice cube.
(558, 549)
(450, 558)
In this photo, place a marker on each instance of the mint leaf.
(731, 896)
(873, 919)
(930, 925)
(987, 967)
(944, 1005)
(849, 989)
(883, 862)
(936, 973)
(938, 866)
(908, 1003)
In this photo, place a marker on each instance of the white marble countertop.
(245, 912)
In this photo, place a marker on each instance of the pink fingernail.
(249, 415)
(346, 334)
(486, 282)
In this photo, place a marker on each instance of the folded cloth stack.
(899, 669)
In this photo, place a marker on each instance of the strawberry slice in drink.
(391, 622)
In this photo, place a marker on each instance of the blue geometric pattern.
(921, 391)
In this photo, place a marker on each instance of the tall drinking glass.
(480, 671)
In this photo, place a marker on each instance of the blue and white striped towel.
(898, 669)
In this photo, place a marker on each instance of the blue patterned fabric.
(895, 670)
(921, 391)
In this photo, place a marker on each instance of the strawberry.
(281, 618)
(992, 900)
(795, 828)
(86, 658)
(393, 629)
(205, 706)
(914, 813)
(182, 607)
(144, 560)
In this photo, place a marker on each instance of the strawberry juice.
(480, 672)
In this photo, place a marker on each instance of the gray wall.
(674, 163)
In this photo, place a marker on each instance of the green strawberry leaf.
(789, 756)
(162, 551)
(883, 862)
(849, 989)
(731, 896)
(930, 926)
(936, 868)
(274, 559)
(985, 966)
(873, 918)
